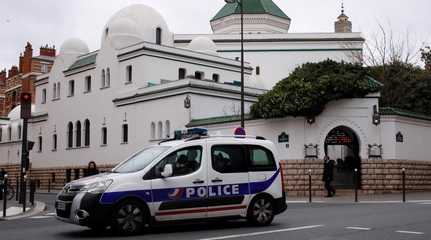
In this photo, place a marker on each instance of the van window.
(228, 159)
(184, 161)
(140, 160)
(261, 159)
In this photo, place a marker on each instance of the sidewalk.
(14, 210)
(349, 197)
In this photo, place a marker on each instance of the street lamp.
(240, 3)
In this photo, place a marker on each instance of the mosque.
(145, 82)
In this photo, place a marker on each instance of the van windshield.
(140, 160)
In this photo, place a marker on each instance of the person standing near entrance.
(328, 176)
(92, 169)
(2, 176)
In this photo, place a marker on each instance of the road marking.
(394, 201)
(40, 217)
(419, 201)
(425, 203)
(410, 232)
(358, 228)
(303, 201)
(262, 233)
(50, 214)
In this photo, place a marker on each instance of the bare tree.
(385, 47)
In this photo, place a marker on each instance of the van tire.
(261, 211)
(129, 217)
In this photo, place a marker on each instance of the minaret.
(343, 25)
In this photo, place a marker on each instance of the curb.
(35, 210)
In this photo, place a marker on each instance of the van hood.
(78, 184)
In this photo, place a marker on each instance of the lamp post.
(240, 3)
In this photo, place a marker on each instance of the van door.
(228, 183)
(262, 170)
(182, 195)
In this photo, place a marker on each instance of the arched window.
(58, 90)
(160, 130)
(103, 78)
(87, 133)
(125, 136)
(70, 135)
(108, 77)
(54, 91)
(159, 36)
(153, 130)
(54, 142)
(167, 128)
(9, 133)
(78, 134)
(19, 132)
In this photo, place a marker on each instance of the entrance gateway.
(342, 145)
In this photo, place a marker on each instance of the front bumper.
(82, 209)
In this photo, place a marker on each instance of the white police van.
(196, 178)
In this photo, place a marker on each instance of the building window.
(103, 78)
(78, 134)
(19, 132)
(1, 134)
(167, 128)
(158, 36)
(108, 77)
(44, 68)
(160, 130)
(125, 135)
(70, 135)
(129, 74)
(182, 73)
(9, 133)
(54, 142)
(87, 84)
(58, 90)
(71, 88)
(43, 96)
(40, 144)
(104, 136)
(257, 70)
(54, 91)
(199, 75)
(153, 130)
(216, 77)
(87, 133)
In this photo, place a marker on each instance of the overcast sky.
(53, 21)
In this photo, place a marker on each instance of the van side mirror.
(167, 171)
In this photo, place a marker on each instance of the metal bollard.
(355, 175)
(309, 186)
(17, 189)
(32, 191)
(404, 184)
(24, 194)
(4, 195)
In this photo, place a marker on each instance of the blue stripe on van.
(185, 193)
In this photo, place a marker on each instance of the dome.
(124, 32)
(137, 22)
(15, 114)
(203, 44)
(74, 46)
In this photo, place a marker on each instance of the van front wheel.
(261, 211)
(129, 218)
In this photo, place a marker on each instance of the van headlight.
(97, 187)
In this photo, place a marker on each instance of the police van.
(196, 178)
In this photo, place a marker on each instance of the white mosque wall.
(416, 138)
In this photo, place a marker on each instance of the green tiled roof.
(83, 61)
(403, 113)
(374, 85)
(216, 120)
(251, 7)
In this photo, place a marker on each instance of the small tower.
(343, 25)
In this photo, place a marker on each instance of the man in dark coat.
(328, 176)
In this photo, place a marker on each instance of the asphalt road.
(317, 221)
